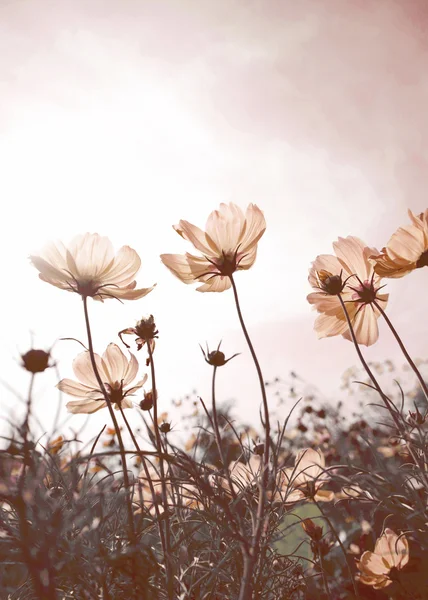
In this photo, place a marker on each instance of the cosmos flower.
(117, 373)
(406, 250)
(229, 244)
(89, 267)
(391, 551)
(306, 478)
(350, 275)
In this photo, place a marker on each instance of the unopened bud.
(314, 531)
(36, 361)
(147, 402)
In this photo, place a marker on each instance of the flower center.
(227, 264)
(329, 283)
(365, 292)
(115, 392)
(422, 260)
(87, 288)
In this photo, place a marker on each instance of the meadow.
(326, 503)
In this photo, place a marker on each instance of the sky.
(123, 117)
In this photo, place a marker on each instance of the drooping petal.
(186, 267)
(329, 325)
(218, 283)
(74, 388)
(84, 406)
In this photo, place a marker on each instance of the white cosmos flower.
(89, 267)
(228, 245)
(117, 373)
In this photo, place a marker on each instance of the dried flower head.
(391, 552)
(36, 361)
(406, 250)
(216, 358)
(350, 275)
(147, 402)
(228, 245)
(165, 427)
(315, 532)
(117, 374)
(145, 330)
(89, 267)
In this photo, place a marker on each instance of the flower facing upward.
(117, 374)
(306, 478)
(349, 275)
(229, 244)
(406, 250)
(89, 267)
(390, 552)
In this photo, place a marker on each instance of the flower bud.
(315, 532)
(36, 361)
(147, 402)
(165, 427)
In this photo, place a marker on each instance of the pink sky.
(122, 117)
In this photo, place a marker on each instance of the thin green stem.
(403, 349)
(246, 586)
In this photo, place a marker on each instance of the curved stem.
(115, 423)
(372, 378)
(403, 349)
(168, 561)
(339, 541)
(385, 398)
(245, 591)
(150, 482)
(324, 576)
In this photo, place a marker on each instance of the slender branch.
(150, 482)
(385, 398)
(246, 585)
(168, 561)
(115, 423)
(403, 349)
(339, 541)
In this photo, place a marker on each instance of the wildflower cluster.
(312, 505)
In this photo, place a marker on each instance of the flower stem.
(245, 591)
(150, 482)
(403, 349)
(339, 541)
(115, 423)
(386, 400)
(168, 561)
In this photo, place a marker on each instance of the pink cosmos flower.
(229, 244)
(89, 267)
(391, 551)
(117, 373)
(406, 250)
(349, 274)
